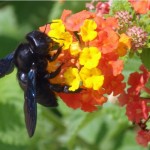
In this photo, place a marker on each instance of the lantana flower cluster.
(95, 46)
(91, 51)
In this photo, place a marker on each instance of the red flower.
(102, 8)
(86, 100)
(138, 81)
(72, 100)
(123, 99)
(137, 110)
(143, 137)
(114, 84)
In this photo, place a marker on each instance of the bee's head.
(39, 42)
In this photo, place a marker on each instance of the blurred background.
(61, 128)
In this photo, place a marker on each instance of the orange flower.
(74, 22)
(107, 40)
(111, 22)
(106, 23)
(124, 45)
(140, 6)
(45, 28)
(117, 67)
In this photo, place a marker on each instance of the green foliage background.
(61, 128)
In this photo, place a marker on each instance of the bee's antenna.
(57, 39)
(45, 28)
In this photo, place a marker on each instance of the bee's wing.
(6, 64)
(30, 105)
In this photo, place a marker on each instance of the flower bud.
(138, 36)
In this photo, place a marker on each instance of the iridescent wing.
(30, 105)
(6, 64)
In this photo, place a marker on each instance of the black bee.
(31, 59)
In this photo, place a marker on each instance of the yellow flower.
(75, 48)
(89, 57)
(72, 78)
(124, 44)
(56, 30)
(58, 34)
(57, 25)
(91, 78)
(88, 32)
(65, 40)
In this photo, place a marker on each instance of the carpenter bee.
(31, 59)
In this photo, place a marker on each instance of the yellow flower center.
(88, 32)
(91, 78)
(72, 78)
(58, 34)
(89, 57)
(75, 48)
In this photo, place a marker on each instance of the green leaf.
(69, 5)
(4, 146)
(145, 57)
(123, 5)
(132, 64)
(12, 127)
(145, 21)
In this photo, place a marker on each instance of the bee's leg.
(62, 88)
(54, 57)
(53, 74)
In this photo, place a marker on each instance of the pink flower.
(102, 8)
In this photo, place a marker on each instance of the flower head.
(89, 56)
